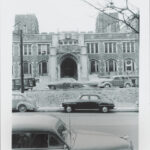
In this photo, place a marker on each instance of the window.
(96, 47)
(128, 47)
(39, 49)
(48, 49)
(94, 66)
(88, 47)
(92, 48)
(128, 65)
(94, 97)
(110, 47)
(27, 49)
(111, 65)
(84, 98)
(29, 140)
(43, 68)
(27, 68)
(35, 140)
(43, 49)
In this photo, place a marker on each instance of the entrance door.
(69, 68)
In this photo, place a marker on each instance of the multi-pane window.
(27, 49)
(110, 47)
(111, 65)
(27, 68)
(43, 68)
(94, 66)
(68, 42)
(129, 65)
(128, 47)
(92, 48)
(43, 49)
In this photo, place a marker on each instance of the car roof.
(89, 95)
(34, 122)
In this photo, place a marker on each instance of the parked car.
(65, 83)
(29, 83)
(116, 81)
(88, 102)
(45, 132)
(22, 103)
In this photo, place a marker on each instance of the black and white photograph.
(76, 75)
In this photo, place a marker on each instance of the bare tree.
(128, 15)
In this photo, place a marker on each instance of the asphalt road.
(119, 123)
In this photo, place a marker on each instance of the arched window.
(43, 68)
(111, 65)
(27, 68)
(129, 65)
(94, 66)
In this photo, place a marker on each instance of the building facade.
(73, 54)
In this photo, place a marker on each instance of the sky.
(60, 15)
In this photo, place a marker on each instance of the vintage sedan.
(88, 102)
(116, 81)
(45, 132)
(22, 103)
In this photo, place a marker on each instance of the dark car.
(88, 102)
(45, 132)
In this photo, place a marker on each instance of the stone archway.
(68, 68)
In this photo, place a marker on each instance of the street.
(118, 123)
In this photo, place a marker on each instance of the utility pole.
(21, 62)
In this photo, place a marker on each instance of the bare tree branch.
(127, 16)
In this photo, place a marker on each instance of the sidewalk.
(60, 109)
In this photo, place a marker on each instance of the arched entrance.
(68, 68)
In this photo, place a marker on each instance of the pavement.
(59, 109)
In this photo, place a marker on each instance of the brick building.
(108, 51)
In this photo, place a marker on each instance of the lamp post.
(21, 62)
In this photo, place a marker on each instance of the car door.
(55, 142)
(83, 102)
(93, 102)
(14, 102)
(116, 81)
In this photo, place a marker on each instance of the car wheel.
(22, 108)
(107, 86)
(68, 109)
(104, 109)
(128, 85)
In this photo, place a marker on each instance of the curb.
(60, 109)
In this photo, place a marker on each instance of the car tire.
(127, 85)
(104, 109)
(22, 108)
(107, 86)
(68, 109)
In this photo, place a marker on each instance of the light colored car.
(116, 81)
(22, 103)
(45, 132)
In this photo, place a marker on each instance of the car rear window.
(94, 97)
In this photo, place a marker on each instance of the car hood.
(87, 140)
